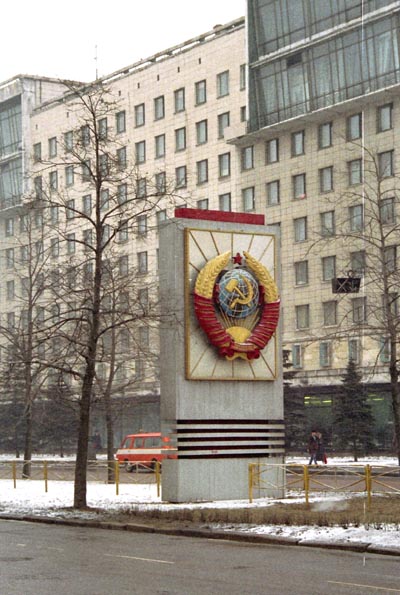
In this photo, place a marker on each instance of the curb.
(359, 547)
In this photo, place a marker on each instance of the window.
(354, 127)
(37, 152)
(298, 145)
(202, 204)
(104, 199)
(85, 135)
(324, 354)
(123, 232)
(224, 165)
(38, 186)
(327, 223)
(325, 135)
(102, 128)
(359, 309)
(54, 247)
(329, 310)
(247, 158)
(179, 100)
(140, 151)
(385, 117)
(10, 290)
(10, 258)
(122, 194)
(69, 175)
(200, 89)
(201, 132)
(326, 179)
(52, 147)
(141, 188)
(357, 262)
(39, 249)
(104, 165)
(390, 258)
(142, 225)
(161, 216)
(299, 186)
(223, 84)
(242, 77)
(356, 217)
(224, 201)
(386, 164)
(202, 171)
(273, 193)
(180, 139)
(123, 264)
(53, 181)
(68, 141)
(302, 316)
(70, 243)
(140, 115)
(223, 122)
(180, 176)
(272, 151)
(328, 264)
(387, 211)
(384, 350)
(297, 356)
(355, 172)
(121, 158)
(23, 223)
(142, 262)
(301, 272)
(160, 146)
(87, 204)
(300, 229)
(120, 122)
(354, 351)
(9, 227)
(70, 209)
(248, 199)
(161, 182)
(159, 107)
(243, 113)
(24, 253)
(10, 320)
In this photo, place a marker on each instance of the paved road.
(56, 560)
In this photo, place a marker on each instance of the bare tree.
(23, 334)
(94, 307)
(367, 229)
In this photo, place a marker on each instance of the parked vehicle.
(144, 450)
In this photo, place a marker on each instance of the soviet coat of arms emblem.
(237, 305)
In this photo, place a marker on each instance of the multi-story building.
(288, 137)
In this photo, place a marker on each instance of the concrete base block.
(197, 480)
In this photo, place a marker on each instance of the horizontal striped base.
(213, 439)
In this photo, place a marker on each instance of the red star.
(237, 259)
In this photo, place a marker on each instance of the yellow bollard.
(251, 481)
(45, 475)
(158, 475)
(306, 480)
(14, 474)
(368, 484)
(116, 463)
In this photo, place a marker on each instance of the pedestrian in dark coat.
(313, 447)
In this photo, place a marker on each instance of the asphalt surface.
(80, 560)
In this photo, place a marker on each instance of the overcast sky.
(59, 39)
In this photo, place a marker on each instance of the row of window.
(326, 352)
(83, 138)
(354, 131)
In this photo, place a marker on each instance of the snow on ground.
(29, 498)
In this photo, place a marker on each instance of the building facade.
(294, 136)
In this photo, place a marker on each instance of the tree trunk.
(26, 469)
(110, 442)
(80, 487)
(395, 392)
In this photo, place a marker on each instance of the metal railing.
(108, 472)
(368, 479)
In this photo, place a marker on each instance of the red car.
(144, 449)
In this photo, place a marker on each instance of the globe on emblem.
(238, 293)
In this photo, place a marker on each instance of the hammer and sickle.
(233, 287)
